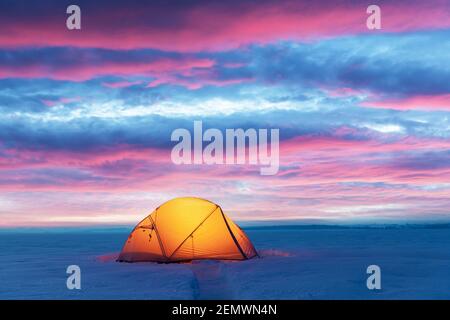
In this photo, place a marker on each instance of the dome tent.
(186, 229)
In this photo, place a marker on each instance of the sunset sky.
(86, 115)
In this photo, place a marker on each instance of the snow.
(296, 263)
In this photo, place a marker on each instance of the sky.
(86, 115)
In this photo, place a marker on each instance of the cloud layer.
(86, 115)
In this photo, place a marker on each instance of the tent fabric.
(186, 229)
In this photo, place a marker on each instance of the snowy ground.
(297, 263)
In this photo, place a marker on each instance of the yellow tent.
(186, 229)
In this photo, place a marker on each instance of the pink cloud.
(120, 84)
(195, 83)
(214, 27)
(62, 100)
(304, 160)
(344, 92)
(328, 177)
(420, 102)
(88, 71)
(323, 144)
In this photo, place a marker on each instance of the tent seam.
(159, 238)
(193, 231)
(233, 236)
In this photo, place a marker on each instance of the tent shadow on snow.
(186, 229)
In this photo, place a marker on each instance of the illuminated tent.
(186, 229)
